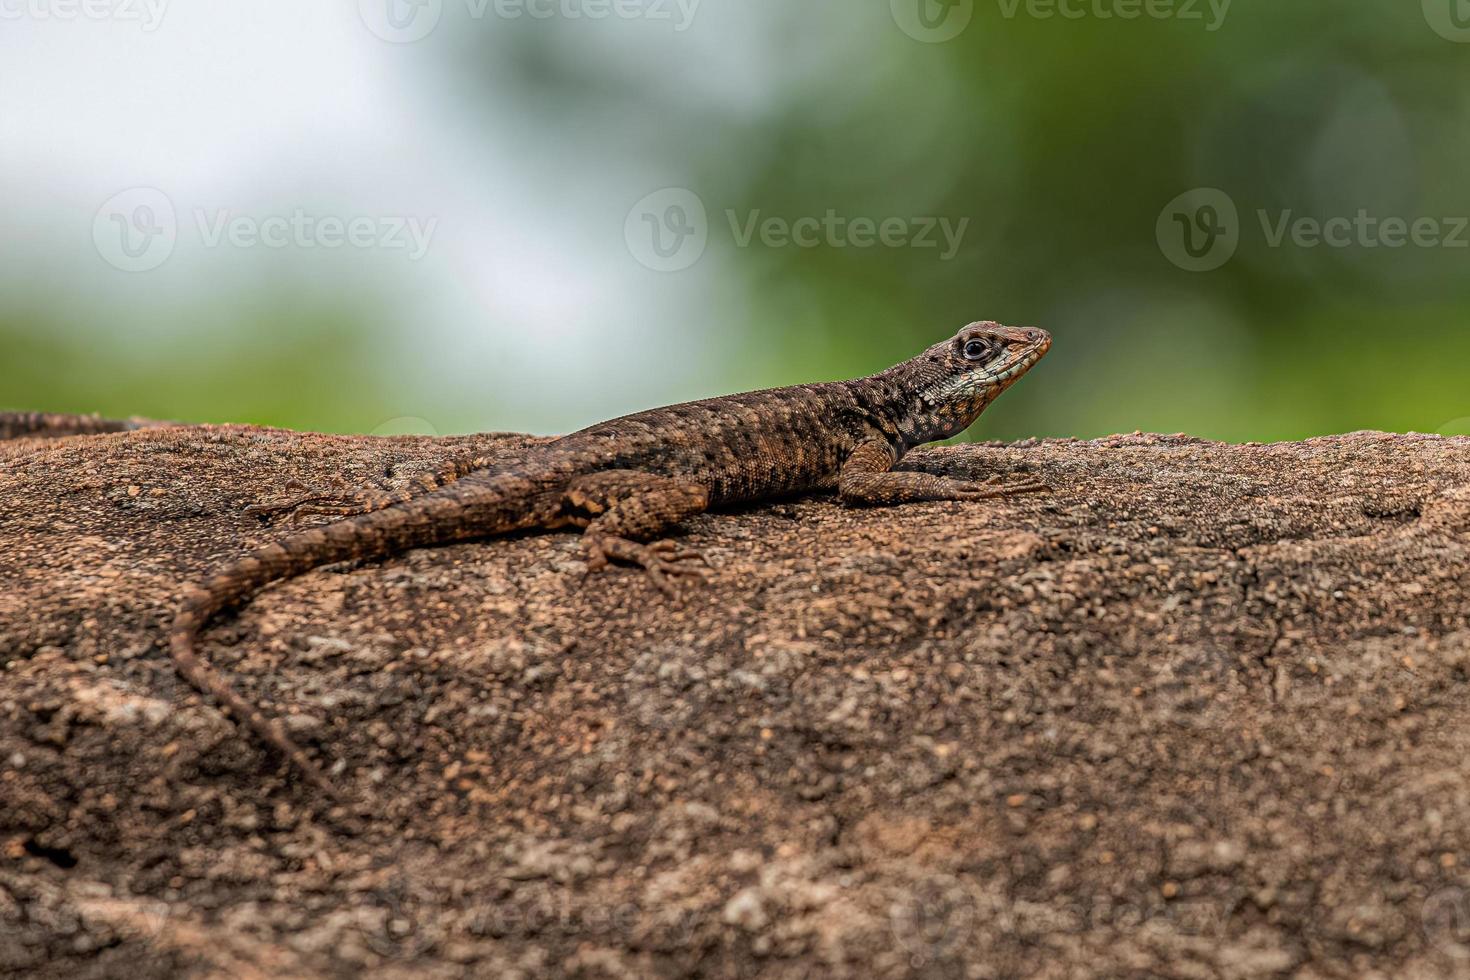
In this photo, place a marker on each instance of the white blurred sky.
(267, 105)
(529, 302)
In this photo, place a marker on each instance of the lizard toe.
(290, 505)
(662, 561)
(992, 490)
(665, 575)
(671, 551)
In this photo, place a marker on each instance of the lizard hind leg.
(629, 508)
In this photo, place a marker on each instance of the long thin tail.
(457, 512)
(48, 425)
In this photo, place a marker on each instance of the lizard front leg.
(867, 479)
(629, 507)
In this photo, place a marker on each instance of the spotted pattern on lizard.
(628, 481)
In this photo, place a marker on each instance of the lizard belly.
(773, 468)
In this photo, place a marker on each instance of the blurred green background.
(533, 136)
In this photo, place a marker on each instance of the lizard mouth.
(1027, 346)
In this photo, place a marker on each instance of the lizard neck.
(898, 408)
(887, 403)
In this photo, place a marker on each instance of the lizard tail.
(426, 520)
(46, 425)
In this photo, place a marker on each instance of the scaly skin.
(46, 425)
(627, 481)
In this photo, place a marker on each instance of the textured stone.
(1204, 710)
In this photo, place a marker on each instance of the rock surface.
(1200, 712)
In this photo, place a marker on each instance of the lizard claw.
(672, 551)
(307, 504)
(996, 488)
(294, 510)
(661, 561)
(272, 507)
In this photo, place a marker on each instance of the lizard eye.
(977, 350)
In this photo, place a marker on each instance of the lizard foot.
(996, 488)
(659, 560)
(310, 503)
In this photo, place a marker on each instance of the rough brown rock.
(1201, 712)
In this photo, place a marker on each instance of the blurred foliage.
(269, 366)
(1059, 140)
(1062, 141)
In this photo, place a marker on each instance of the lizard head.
(953, 382)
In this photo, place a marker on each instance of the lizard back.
(741, 447)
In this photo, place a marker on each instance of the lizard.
(46, 425)
(628, 481)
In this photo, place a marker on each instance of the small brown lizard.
(628, 481)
